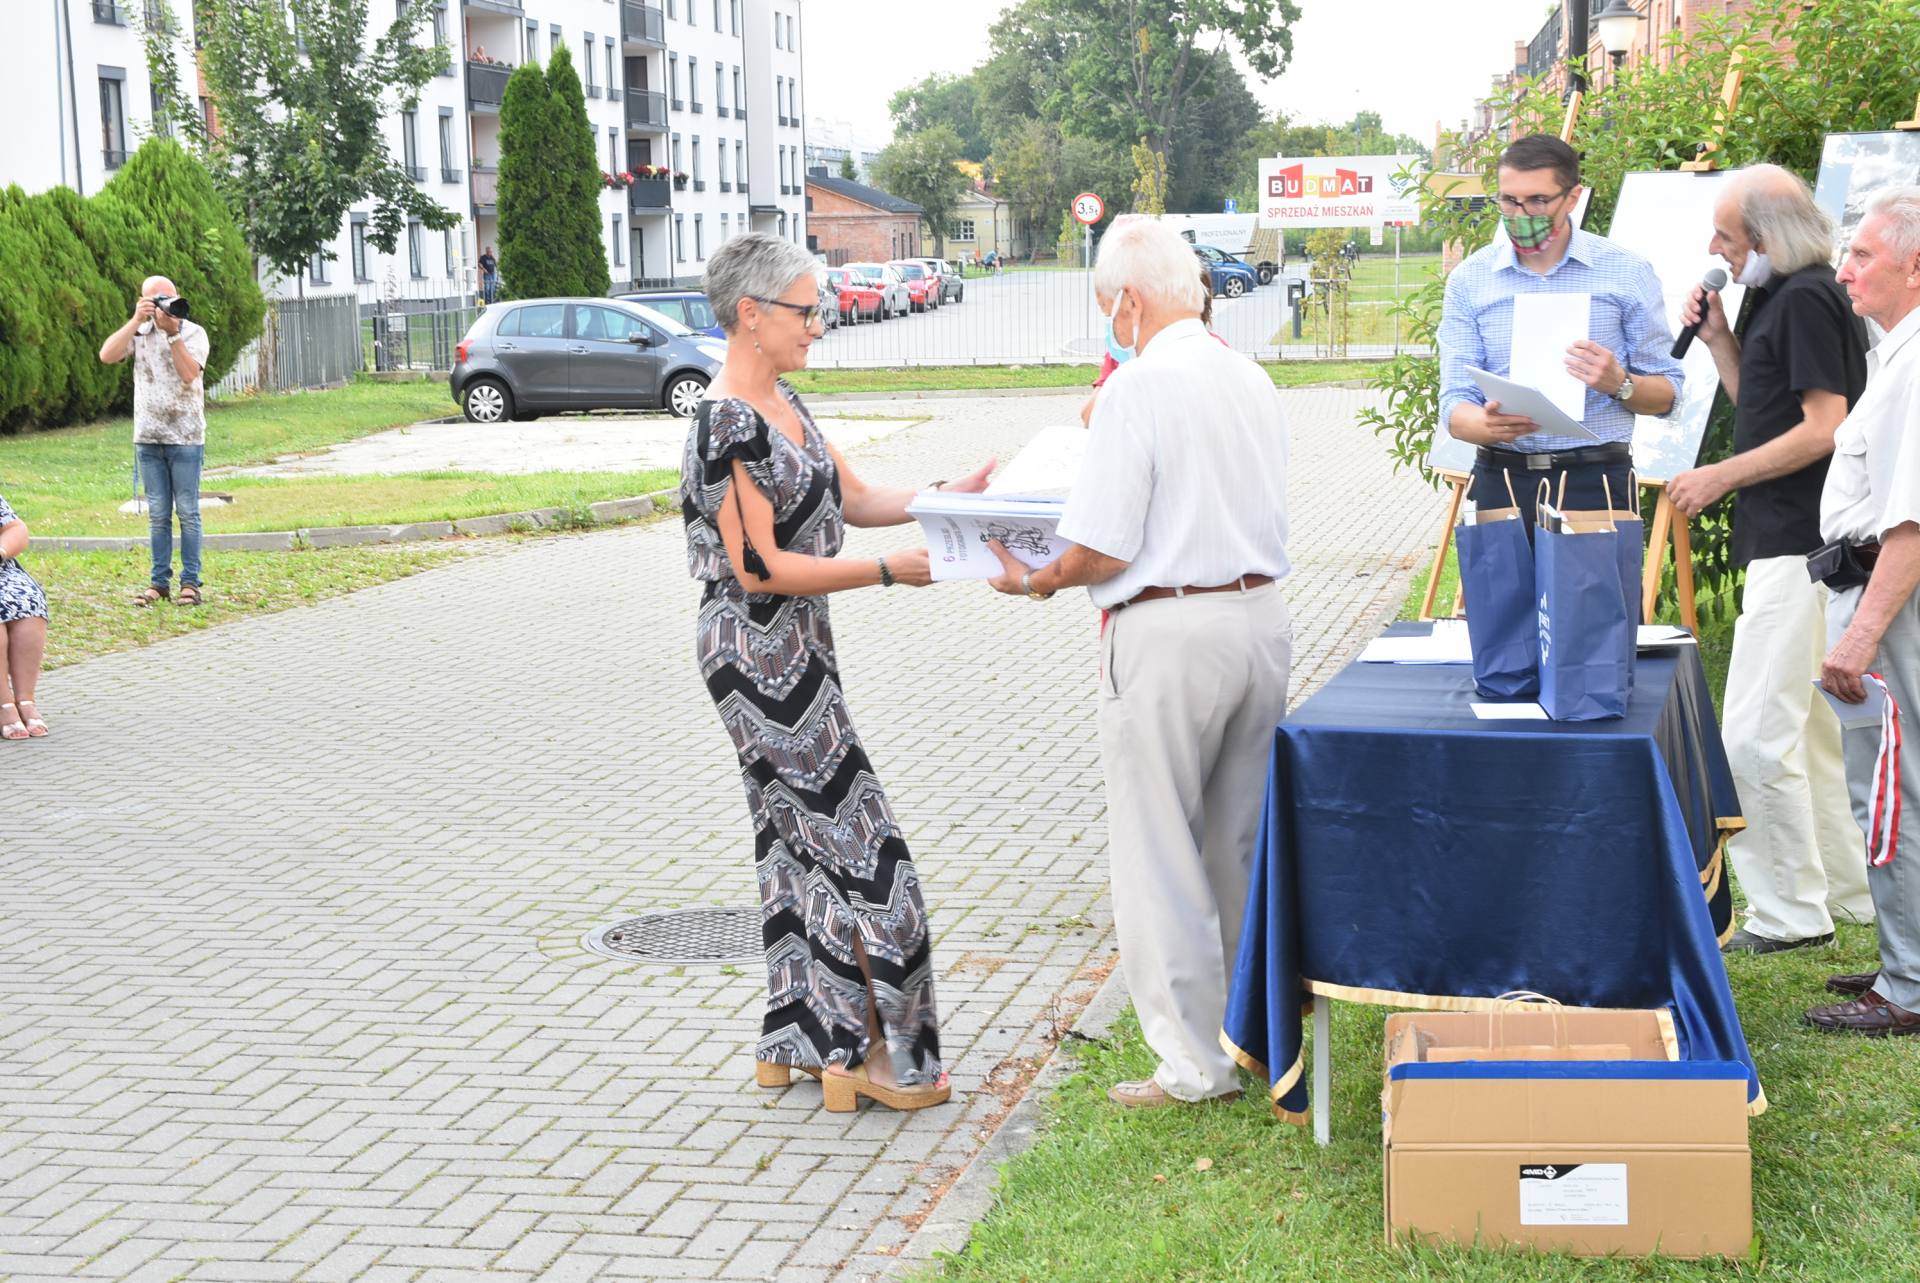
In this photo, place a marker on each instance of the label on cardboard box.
(1573, 1193)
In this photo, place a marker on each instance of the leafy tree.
(1067, 245)
(1210, 163)
(549, 193)
(1127, 69)
(1149, 180)
(920, 168)
(300, 95)
(848, 170)
(1038, 169)
(942, 100)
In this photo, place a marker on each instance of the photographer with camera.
(169, 427)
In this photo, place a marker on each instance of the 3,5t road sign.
(1088, 208)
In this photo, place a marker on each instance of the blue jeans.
(171, 475)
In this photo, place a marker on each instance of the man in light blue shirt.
(1625, 361)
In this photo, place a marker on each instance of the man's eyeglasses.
(1529, 204)
(809, 313)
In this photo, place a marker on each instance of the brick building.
(849, 222)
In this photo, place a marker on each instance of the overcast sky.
(1416, 62)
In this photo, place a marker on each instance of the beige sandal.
(768, 1074)
(843, 1088)
(13, 728)
(36, 729)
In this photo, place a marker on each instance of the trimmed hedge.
(72, 269)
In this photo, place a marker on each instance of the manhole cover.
(682, 935)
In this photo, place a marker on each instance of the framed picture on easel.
(1855, 166)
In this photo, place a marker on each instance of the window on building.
(447, 173)
(776, 31)
(793, 101)
(358, 240)
(162, 124)
(962, 230)
(723, 228)
(735, 7)
(414, 262)
(676, 154)
(722, 150)
(699, 240)
(696, 159)
(719, 88)
(554, 40)
(673, 77)
(317, 269)
(739, 103)
(673, 8)
(716, 15)
(410, 145)
(446, 246)
(619, 245)
(740, 163)
(593, 90)
(206, 114)
(440, 22)
(530, 47)
(113, 116)
(613, 150)
(780, 98)
(792, 45)
(613, 84)
(693, 83)
(680, 237)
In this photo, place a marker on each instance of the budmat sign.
(1336, 191)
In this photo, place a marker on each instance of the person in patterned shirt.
(169, 430)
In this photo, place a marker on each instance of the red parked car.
(923, 287)
(858, 300)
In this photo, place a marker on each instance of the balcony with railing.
(487, 85)
(650, 195)
(486, 189)
(642, 24)
(646, 110)
(512, 8)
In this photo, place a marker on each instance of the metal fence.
(303, 343)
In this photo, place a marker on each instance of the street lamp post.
(1619, 22)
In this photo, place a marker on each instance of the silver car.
(892, 286)
(538, 356)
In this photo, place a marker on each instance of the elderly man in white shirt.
(1872, 502)
(1179, 530)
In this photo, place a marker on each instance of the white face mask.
(1756, 271)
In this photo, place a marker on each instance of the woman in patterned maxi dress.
(849, 966)
(23, 633)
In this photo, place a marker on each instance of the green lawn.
(937, 378)
(89, 594)
(1371, 295)
(1220, 1193)
(73, 480)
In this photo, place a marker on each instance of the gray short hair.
(753, 265)
(1777, 209)
(1900, 206)
(1150, 256)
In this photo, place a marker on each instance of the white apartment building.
(708, 87)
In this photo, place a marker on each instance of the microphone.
(1712, 283)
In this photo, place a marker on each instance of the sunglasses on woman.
(809, 313)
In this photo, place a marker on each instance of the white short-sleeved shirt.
(167, 411)
(1873, 483)
(1185, 476)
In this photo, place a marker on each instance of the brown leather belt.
(1155, 594)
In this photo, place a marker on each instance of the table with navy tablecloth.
(1412, 854)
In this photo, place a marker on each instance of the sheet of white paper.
(1447, 644)
(958, 526)
(1509, 712)
(1050, 462)
(1544, 327)
(1523, 398)
(1856, 715)
(1662, 635)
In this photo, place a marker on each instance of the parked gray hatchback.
(542, 355)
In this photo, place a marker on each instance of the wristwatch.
(176, 337)
(1026, 586)
(1624, 392)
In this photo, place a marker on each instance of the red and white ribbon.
(1883, 837)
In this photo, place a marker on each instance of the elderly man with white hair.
(1871, 505)
(1179, 530)
(1798, 366)
(169, 428)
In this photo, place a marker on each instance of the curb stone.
(970, 1197)
(606, 512)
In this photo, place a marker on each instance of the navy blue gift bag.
(1586, 625)
(1496, 585)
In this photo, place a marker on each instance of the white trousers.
(1801, 859)
(1191, 689)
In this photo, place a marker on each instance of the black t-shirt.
(1801, 336)
(487, 263)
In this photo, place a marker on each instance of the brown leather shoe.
(1148, 1094)
(1869, 1015)
(1852, 985)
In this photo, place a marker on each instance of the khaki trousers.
(1191, 689)
(1800, 860)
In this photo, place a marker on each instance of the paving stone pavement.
(291, 982)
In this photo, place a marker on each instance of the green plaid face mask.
(1528, 231)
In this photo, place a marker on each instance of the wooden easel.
(1704, 162)
(1459, 480)
(1910, 124)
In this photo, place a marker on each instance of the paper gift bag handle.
(1606, 488)
(1505, 476)
(1497, 1019)
(1541, 501)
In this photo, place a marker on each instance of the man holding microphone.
(1624, 360)
(1793, 375)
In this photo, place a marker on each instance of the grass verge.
(1223, 1193)
(90, 594)
(943, 378)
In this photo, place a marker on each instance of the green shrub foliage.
(73, 268)
(550, 185)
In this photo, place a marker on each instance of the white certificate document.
(1544, 327)
(1521, 398)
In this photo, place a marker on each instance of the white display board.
(1339, 191)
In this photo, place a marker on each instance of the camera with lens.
(171, 305)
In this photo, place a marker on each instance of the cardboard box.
(1591, 1156)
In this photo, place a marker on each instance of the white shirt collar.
(1184, 328)
(1897, 337)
